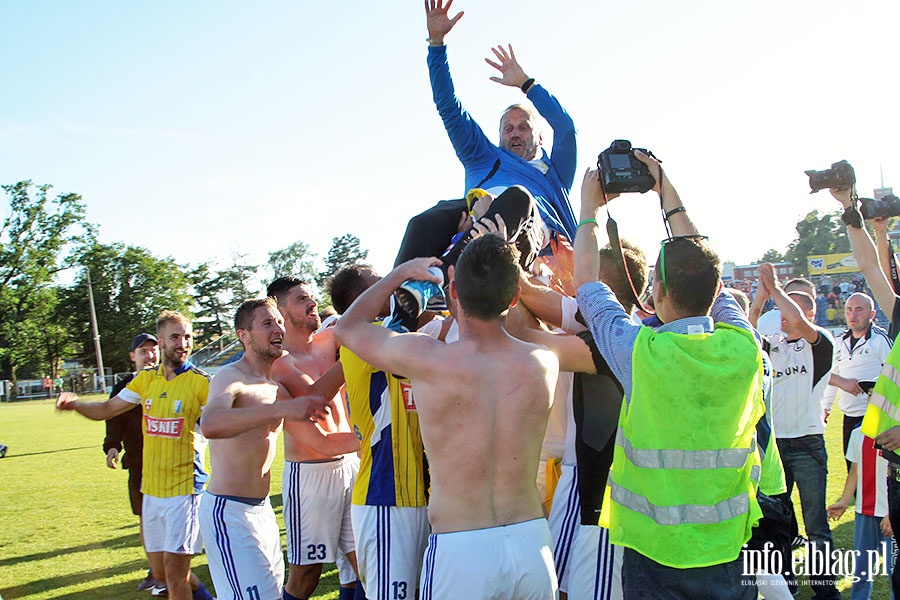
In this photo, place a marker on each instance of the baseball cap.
(140, 339)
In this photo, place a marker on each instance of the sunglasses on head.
(662, 254)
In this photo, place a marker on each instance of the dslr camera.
(889, 206)
(622, 172)
(839, 176)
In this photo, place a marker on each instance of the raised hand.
(511, 73)
(438, 20)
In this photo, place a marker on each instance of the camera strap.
(612, 231)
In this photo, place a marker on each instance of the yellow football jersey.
(173, 465)
(392, 470)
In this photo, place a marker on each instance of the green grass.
(67, 532)
(66, 528)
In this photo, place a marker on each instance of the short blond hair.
(170, 316)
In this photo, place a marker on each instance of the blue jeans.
(806, 464)
(867, 537)
(647, 579)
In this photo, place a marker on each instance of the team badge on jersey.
(176, 407)
(148, 404)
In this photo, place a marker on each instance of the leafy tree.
(36, 240)
(131, 287)
(344, 252)
(210, 295)
(218, 295)
(771, 256)
(817, 234)
(296, 260)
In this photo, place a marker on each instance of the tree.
(37, 238)
(344, 252)
(131, 287)
(771, 256)
(219, 294)
(295, 260)
(211, 317)
(817, 235)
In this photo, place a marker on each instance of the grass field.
(67, 532)
(66, 528)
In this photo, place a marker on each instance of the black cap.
(140, 339)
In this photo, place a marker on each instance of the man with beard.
(242, 420)
(172, 395)
(320, 461)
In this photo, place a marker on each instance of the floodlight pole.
(96, 330)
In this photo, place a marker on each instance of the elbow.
(211, 429)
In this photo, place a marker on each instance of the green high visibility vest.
(883, 411)
(686, 470)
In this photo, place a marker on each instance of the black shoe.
(3, 450)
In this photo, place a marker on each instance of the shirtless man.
(320, 464)
(483, 404)
(242, 421)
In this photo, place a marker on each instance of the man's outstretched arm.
(96, 411)
(866, 255)
(466, 136)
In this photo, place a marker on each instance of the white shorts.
(512, 561)
(564, 519)
(317, 509)
(170, 524)
(346, 572)
(595, 569)
(243, 545)
(390, 544)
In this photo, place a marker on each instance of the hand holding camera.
(625, 169)
(840, 179)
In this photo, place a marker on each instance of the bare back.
(241, 465)
(484, 409)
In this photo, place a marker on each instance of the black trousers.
(428, 233)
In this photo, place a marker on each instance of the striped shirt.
(173, 465)
(383, 414)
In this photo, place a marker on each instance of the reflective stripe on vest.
(695, 514)
(728, 458)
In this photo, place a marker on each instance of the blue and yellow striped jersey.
(172, 464)
(383, 414)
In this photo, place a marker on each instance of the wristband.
(585, 222)
(675, 211)
(527, 85)
(852, 217)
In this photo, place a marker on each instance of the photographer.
(704, 377)
(882, 418)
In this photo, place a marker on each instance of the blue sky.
(202, 129)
